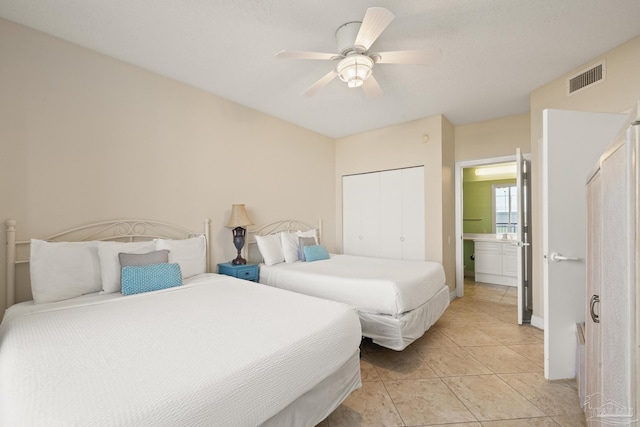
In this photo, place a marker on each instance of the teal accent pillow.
(147, 278)
(303, 242)
(315, 253)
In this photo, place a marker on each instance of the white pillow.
(63, 270)
(110, 263)
(270, 248)
(190, 254)
(309, 233)
(289, 243)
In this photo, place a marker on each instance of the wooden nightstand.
(246, 272)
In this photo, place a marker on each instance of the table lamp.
(238, 221)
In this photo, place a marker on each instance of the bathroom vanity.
(496, 258)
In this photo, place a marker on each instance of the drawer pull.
(594, 299)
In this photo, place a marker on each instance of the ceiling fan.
(355, 61)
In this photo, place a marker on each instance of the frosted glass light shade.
(355, 69)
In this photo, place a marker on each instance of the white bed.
(214, 351)
(397, 301)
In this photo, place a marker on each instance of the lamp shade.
(239, 217)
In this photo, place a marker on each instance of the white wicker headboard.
(116, 230)
(278, 226)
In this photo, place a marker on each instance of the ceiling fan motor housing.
(346, 37)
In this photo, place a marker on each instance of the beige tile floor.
(474, 367)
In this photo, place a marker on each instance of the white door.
(391, 214)
(413, 214)
(571, 145)
(361, 214)
(350, 214)
(510, 259)
(523, 252)
(488, 258)
(383, 214)
(402, 214)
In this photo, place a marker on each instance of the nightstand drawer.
(245, 272)
(249, 273)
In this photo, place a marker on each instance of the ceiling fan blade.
(376, 19)
(371, 88)
(311, 90)
(422, 57)
(298, 54)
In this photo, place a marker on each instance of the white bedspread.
(372, 285)
(216, 351)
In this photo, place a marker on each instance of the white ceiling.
(495, 52)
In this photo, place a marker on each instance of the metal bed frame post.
(11, 261)
(207, 240)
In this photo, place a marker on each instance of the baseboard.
(496, 279)
(537, 321)
(452, 295)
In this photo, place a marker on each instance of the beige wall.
(402, 146)
(617, 94)
(448, 202)
(85, 138)
(493, 138)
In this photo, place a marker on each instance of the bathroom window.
(505, 208)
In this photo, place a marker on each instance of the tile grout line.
(393, 402)
(459, 400)
(507, 346)
(514, 390)
(459, 319)
(523, 396)
(487, 367)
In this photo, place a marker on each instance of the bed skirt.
(316, 404)
(397, 333)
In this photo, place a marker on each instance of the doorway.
(492, 205)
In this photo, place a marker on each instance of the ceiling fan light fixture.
(355, 69)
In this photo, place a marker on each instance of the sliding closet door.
(361, 214)
(413, 214)
(383, 214)
(402, 214)
(391, 214)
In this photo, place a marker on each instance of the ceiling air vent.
(587, 78)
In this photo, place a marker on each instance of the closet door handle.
(594, 299)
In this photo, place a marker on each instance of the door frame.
(459, 166)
